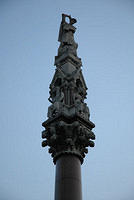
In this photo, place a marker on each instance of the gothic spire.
(68, 129)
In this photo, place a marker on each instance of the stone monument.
(68, 129)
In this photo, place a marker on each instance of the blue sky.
(28, 44)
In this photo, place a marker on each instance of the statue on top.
(66, 36)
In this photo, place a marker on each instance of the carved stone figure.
(57, 95)
(86, 111)
(66, 36)
(54, 109)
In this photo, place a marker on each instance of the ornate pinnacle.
(68, 129)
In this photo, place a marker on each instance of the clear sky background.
(28, 44)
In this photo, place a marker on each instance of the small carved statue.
(86, 111)
(66, 36)
(56, 98)
(56, 95)
(54, 109)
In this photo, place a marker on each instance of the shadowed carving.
(68, 129)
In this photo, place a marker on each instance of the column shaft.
(68, 178)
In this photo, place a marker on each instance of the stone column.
(68, 178)
(68, 129)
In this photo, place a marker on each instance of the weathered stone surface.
(68, 129)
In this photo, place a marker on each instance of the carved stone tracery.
(68, 128)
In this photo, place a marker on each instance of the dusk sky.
(28, 44)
